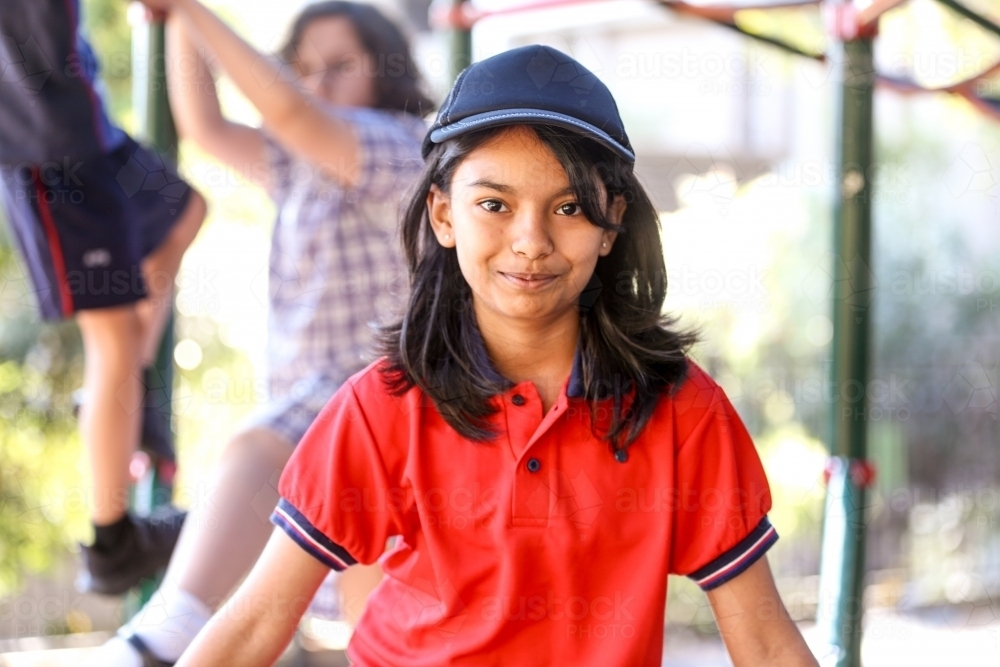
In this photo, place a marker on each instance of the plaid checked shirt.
(335, 260)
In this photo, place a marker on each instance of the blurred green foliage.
(42, 495)
(111, 37)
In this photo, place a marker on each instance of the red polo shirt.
(540, 548)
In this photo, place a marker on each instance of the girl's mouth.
(529, 280)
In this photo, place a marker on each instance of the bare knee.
(114, 331)
(183, 233)
(186, 229)
(258, 447)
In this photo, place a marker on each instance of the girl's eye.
(571, 208)
(493, 206)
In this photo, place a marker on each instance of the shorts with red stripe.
(83, 226)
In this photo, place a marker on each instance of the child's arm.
(288, 113)
(257, 623)
(754, 623)
(195, 104)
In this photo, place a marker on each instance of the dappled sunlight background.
(222, 313)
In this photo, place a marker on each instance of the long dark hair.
(398, 82)
(626, 341)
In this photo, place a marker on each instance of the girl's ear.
(439, 214)
(616, 211)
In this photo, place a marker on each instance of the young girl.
(534, 433)
(340, 141)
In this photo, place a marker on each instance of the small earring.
(604, 245)
(447, 236)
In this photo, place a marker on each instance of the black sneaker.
(140, 554)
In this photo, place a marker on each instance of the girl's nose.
(532, 239)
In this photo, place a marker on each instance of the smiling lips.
(529, 280)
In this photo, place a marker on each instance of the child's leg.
(109, 420)
(118, 343)
(233, 520)
(159, 269)
(220, 541)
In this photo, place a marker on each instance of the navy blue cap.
(530, 84)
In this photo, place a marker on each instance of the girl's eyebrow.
(506, 189)
(492, 185)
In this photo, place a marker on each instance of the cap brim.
(536, 116)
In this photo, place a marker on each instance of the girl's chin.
(531, 309)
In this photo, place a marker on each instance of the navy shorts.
(82, 227)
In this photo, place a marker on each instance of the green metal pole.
(149, 88)
(843, 557)
(460, 42)
(155, 128)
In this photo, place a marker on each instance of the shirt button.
(621, 456)
(534, 465)
(517, 399)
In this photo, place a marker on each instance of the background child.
(534, 434)
(339, 146)
(99, 246)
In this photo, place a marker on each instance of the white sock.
(169, 622)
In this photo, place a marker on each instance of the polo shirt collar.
(574, 387)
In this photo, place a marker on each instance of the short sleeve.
(720, 524)
(389, 151)
(336, 499)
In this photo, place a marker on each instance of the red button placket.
(522, 420)
(534, 472)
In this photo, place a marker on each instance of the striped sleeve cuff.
(307, 536)
(737, 559)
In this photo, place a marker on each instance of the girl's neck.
(528, 350)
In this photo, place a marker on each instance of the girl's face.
(523, 243)
(334, 63)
